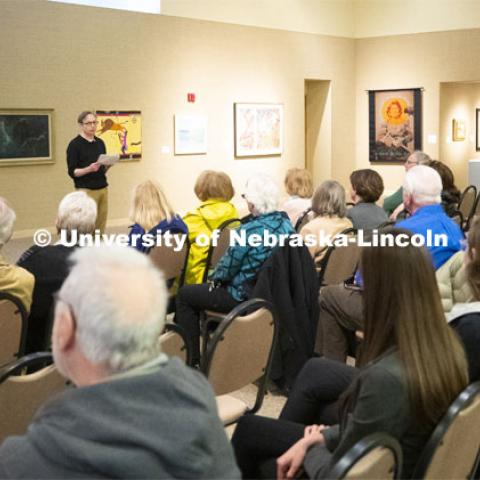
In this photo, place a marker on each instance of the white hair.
(420, 157)
(263, 193)
(424, 184)
(119, 299)
(7, 219)
(77, 211)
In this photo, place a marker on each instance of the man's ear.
(65, 329)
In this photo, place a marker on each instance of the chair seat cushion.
(230, 409)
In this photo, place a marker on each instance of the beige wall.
(459, 101)
(423, 60)
(71, 58)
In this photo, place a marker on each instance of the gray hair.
(119, 299)
(329, 200)
(420, 157)
(424, 184)
(7, 219)
(263, 193)
(77, 211)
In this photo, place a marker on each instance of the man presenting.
(88, 175)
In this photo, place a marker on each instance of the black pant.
(193, 299)
(313, 399)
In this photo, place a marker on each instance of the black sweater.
(80, 154)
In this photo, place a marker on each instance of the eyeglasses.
(90, 123)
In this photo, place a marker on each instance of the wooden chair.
(303, 219)
(378, 456)
(22, 394)
(467, 204)
(388, 223)
(13, 328)
(173, 342)
(475, 212)
(340, 263)
(453, 448)
(240, 353)
(170, 262)
(217, 249)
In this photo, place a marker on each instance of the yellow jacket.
(17, 281)
(204, 219)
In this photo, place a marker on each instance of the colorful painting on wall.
(458, 130)
(258, 129)
(25, 136)
(395, 119)
(122, 132)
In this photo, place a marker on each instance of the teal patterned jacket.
(241, 263)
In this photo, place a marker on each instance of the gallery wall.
(71, 58)
(406, 61)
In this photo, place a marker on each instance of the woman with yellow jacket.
(215, 190)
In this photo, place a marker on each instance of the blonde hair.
(298, 181)
(149, 205)
(212, 184)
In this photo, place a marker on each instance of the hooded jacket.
(157, 421)
(203, 220)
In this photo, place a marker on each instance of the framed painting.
(395, 124)
(458, 130)
(477, 127)
(25, 136)
(190, 134)
(121, 130)
(258, 129)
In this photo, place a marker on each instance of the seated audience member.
(341, 308)
(152, 214)
(328, 204)
(412, 369)
(77, 214)
(394, 203)
(135, 412)
(240, 264)
(214, 190)
(299, 186)
(13, 280)
(465, 317)
(450, 193)
(367, 187)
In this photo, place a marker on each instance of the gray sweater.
(366, 216)
(158, 422)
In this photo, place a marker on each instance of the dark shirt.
(49, 266)
(80, 154)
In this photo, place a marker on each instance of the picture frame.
(26, 136)
(458, 130)
(190, 134)
(258, 129)
(477, 126)
(121, 131)
(395, 124)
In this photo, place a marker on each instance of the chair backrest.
(170, 262)
(467, 202)
(173, 342)
(377, 456)
(22, 395)
(340, 262)
(457, 217)
(303, 219)
(241, 349)
(219, 247)
(13, 328)
(453, 447)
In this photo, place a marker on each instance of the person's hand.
(94, 167)
(312, 431)
(290, 462)
(395, 213)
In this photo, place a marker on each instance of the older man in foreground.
(341, 308)
(135, 413)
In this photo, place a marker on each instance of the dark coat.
(289, 281)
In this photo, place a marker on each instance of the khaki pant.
(101, 199)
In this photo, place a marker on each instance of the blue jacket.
(434, 219)
(242, 262)
(176, 225)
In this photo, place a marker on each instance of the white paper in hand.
(108, 159)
